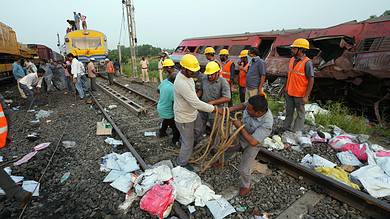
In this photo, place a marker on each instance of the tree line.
(142, 50)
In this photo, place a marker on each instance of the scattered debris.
(113, 142)
(220, 208)
(34, 122)
(113, 106)
(1, 158)
(16, 108)
(347, 168)
(43, 114)
(31, 186)
(30, 155)
(129, 199)
(274, 143)
(348, 158)
(65, 177)
(260, 168)
(103, 128)
(191, 209)
(33, 136)
(68, 144)
(8, 101)
(316, 161)
(158, 201)
(241, 208)
(374, 180)
(338, 174)
(150, 134)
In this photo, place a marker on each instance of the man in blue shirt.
(165, 103)
(255, 77)
(18, 72)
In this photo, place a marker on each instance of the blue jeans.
(81, 85)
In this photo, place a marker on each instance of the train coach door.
(265, 47)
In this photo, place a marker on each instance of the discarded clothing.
(203, 194)
(337, 174)
(123, 183)
(220, 208)
(113, 142)
(42, 146)
(374, 180)
(25, 158)
(289, 138)
(304, 141)
(150, 177)
(123, 162)
(384, 163)
(348, 158)
(158, 200)
(349, 143)
(113, 175)
(273, 143)
(316, 161)
(185, 183)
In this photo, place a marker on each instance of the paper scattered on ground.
(220, 208)
(113, 106)
(256, 166)
(25, 158)
(150, 134)
(43, 114)
(30, 185)
(68, 144)
(316, 161)
(348, 158)
(112, 141)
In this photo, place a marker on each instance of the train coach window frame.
(369, 44)
(236, 49)
(191, 49)
(86, 43)
(179, 49)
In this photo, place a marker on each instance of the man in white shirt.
(30, 67)
(31, 81)
(78, 72)
(186, 106)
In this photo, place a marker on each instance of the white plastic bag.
(185, 183)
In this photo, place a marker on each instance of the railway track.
(369, 206)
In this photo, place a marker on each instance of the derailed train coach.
(351, 60)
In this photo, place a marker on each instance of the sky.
(164, 23)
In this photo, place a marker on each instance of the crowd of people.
(75, 23)
(189, 98)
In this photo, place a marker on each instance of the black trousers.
(241, 91)
(171, 124)
(110, 78)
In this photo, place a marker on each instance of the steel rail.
(177, 209)
(125, 101)
(368, 205)
(151, 99)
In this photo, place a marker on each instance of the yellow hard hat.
(244, 53)
(211, 68)
(209, 50)
(224, 52)
(190, 62)
(168, 63)
(301, 43)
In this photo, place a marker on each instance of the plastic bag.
(339, 141)
(348, 158)
(337, 174)
(185, 183)
(359, 150)
(158, 200)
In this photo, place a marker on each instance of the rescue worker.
(209, 52)
(11, 189)
(110, 71)
(299, 84)
(215, 90)
(186, 105)
(243, 69)
(78, 73)
(144, 69)
(258, 122)
(228, 66)
(92, 74)
(255, 77)
(165, 103)
(31, 83)
(161, 68)
(18, 72)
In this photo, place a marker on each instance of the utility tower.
(132, 34)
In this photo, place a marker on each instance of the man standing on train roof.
(186, 105)
(165, 103)
(258, 121)
(243, 66)
(215, 90)
(78, 72)
(72, 24)
(18, 72)
(299, 84)
(110, 71)
(83, 21)
(11, 189)
(76, 20)
(255, 77)
(92, 74)
(31, 83)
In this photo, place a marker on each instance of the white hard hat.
(92, 59)
(106, 59)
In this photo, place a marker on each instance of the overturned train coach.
(351, 60)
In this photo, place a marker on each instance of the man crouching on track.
(165, 103)
(258, 122)
(186, 105)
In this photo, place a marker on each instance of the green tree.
(142, 50)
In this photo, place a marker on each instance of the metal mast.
(132, 34)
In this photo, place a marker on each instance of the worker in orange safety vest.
(227, 69)
(243, 69)
(300, 80)
(11, 189)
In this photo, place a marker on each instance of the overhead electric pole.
(132, 34)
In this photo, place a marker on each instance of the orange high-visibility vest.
(225, 72)
(110, 67)
(3, 128)
(242, 76)
(296, 79)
